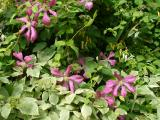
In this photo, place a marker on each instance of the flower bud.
(27, 59)
(52, 2)
(89, 5)
(29, 11)
(18, 55)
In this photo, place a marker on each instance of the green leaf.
(86, 111)
(34, 72)
(17, 90)
(54, 116)
(144, 90)
(53, 98)
(140, 58)
(6, 109)
(70, 98)
(28, 106)
(138, 2)
(45, 106)
(45, 55)
(59, 44)
(39, 46)
(64, 115)
(4, 80)
(120, 111)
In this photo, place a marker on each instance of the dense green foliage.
(85, 48)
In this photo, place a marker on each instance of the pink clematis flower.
(123, 84)
(109, 99)
(68, 80)
(28, 29)
(22, 62)
(47, 10)
(110, 59)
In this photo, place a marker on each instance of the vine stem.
(78, 32)
(135, 97)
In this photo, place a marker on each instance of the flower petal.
(46, 20)
(23, 19)
(56, 72)
(109, 86)
(19, 63)
(68, 70)
(112, 62)
(18, 55)
(33, 35)
(71, 86)
(123, 91)
(28, 35)
(53, 13)
(130, 79)
(115, 90)
(23, 29)
(111, 54)
(110, 100)
(76, 78)
(129, 87)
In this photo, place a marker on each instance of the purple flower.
(22, 62)
(28, 29)
(88, 5)
(110, 57)
(123, 84)
(68, 80)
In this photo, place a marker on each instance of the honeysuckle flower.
(88, 5)
(110, 58)
(123, 84)
(22, 62)
(109, 99)
(28, 29)
(68, 80)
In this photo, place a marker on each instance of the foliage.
(80, 59)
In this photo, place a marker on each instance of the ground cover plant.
(80, 60)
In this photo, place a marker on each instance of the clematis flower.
(47, 11)
(68, 80)
(28, 29)
(110, 57)
(109, 99)
(122, 84)
(22, 62)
